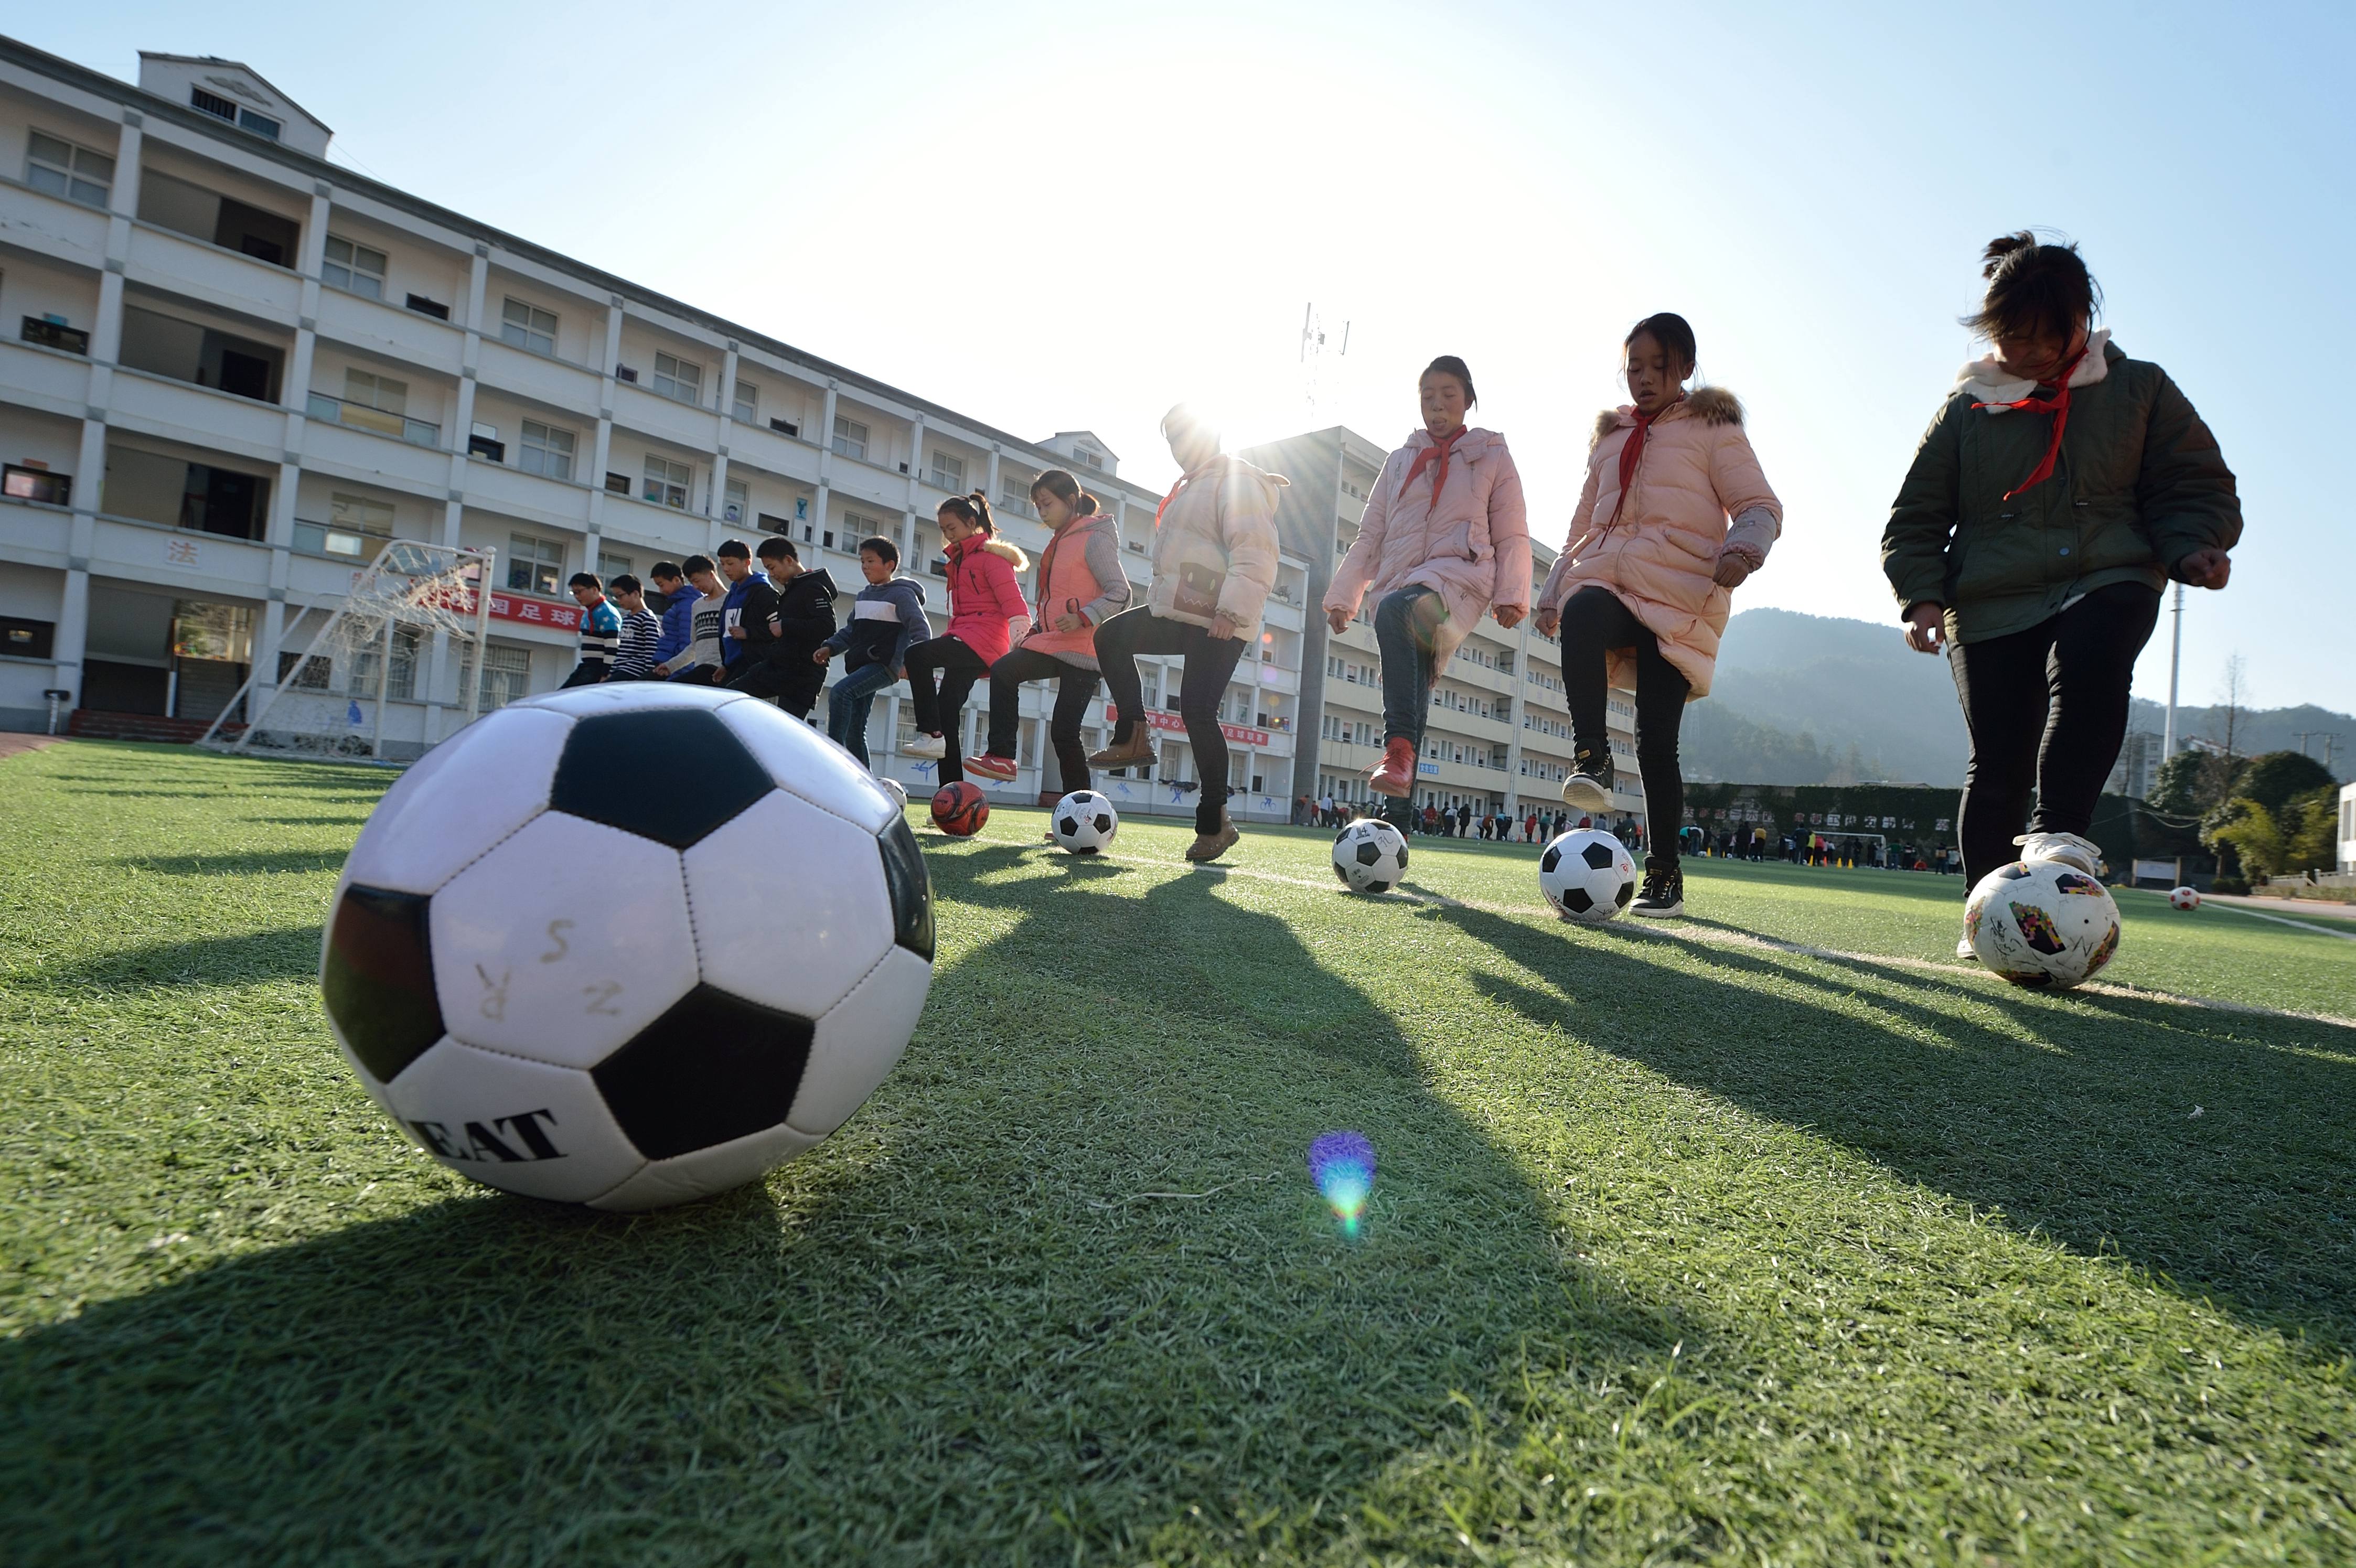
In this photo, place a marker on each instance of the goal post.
(380, 675)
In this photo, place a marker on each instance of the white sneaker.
(931, 748)
(897, 790)
(1965, 951)
(2067, 848)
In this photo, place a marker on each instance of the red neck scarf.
(1633, 453)
(2058, 405)
(1434, 456)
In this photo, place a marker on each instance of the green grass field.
(1685, 1247)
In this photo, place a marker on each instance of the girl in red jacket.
(985, 604)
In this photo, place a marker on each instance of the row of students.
(2030, 546)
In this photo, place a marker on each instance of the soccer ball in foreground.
(628, 945)
(959, 809)
(1370, 856)
(1085, 822)
(1586, 875)
(2184, 898)
(2042, 924)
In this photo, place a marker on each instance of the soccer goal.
(409, 632)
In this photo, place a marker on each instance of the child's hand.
(2205, 568)
(1734, 566)
(1338, 618)
(1926, 626)
(1071, 622)
(1548, 623)
(1509, 615)
(821, 654)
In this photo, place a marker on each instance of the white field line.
(1710, 936)
(2282, 920)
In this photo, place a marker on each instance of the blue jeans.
(847, 705)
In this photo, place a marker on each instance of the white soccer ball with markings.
(1085, 823)
(1587, 876)
(628, 945)
(2042, 924)
(1370, 856)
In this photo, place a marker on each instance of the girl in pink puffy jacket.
(1443, 542)
(1674, 516)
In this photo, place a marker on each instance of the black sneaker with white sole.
(1663, 896)
(1589, 787)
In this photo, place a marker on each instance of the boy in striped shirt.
(601, 631)
(641, 631)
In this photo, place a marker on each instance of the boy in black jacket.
(795, 608)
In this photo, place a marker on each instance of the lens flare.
(1343, 1166)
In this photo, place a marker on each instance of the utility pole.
(2175, 659)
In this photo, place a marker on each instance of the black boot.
(1588, 789)
(1664, 893)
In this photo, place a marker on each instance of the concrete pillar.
(826, 437)
(601, 444)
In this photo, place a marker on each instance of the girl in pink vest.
(1641, 591)
(1079, 585)
(985, 607)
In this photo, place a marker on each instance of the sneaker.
(1395, 774)
(990, 765)
(1965, 952)
(1589, 787)
(1211, 846)
(1137, 749)
(1664, 893)
(931, 748)
(2067, 848)
(897, 790)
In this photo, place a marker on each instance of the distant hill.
(1806, 700)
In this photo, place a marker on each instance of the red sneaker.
(1395, 774)
(990, 765)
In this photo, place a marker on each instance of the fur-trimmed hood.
(1011, 554)
(1712, 405)
(1992, 387)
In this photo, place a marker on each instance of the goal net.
(381, 674)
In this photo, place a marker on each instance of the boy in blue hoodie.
(887, 619)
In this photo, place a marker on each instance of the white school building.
(231, 370)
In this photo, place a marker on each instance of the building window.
(679, 378)
(19, 483)
(354, 267)
(64, 169)
(948, 472)
(356, 528)
(385, 394)
(850, 437)
(51, 331)
(260, 125)
(1092, 459)
(547, 450)
(747, 406)
(506, 676)
(527, 327)
(213, 103)
(736, 501)
(667, 482)
(534, 564)
(1015, 494)
(611, 565)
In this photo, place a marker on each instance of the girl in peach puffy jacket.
(1444, 540)
(1674, 516)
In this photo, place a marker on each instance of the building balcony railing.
(50, 333)
(338, 543)
(336, 411)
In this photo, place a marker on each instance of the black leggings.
(1074, 690)
(2047, 709)
(1594, 622)
(793, 689)
(1210, 663)
(939, 713)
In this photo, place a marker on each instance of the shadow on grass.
(286, 954)
(973, 1327)
(239, 864)
(2074, 1115)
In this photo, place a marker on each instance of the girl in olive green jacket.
(2060, 487)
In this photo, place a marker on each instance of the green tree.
(2313, 838)
(2273, 779)
(2246, 829)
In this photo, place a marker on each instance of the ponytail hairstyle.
(973, 510)
(1449, 365)
(2034, 289)
(1066, 489)
(1671, 331)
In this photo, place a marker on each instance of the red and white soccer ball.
(2184, 898)
(628, 945)
(2042, 924)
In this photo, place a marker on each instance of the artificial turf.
(1684, 1247)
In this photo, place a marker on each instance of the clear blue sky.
(1058, 217)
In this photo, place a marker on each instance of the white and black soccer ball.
(1587, 875)
(2042, 924)
(628, 945)
(1085, 822)
(2184, 898)
(1370, 856)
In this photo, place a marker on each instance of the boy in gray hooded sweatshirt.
(887, 619)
